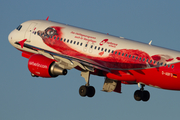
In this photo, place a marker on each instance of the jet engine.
(42, 66)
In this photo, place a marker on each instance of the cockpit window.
(19, 27)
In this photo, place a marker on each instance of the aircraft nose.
(10, 37)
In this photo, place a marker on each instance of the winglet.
(47, 18)
(22, 42)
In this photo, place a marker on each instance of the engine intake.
(42, 66)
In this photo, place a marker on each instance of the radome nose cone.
(10, 37)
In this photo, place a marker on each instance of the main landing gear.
(86, 90)
(141, 94)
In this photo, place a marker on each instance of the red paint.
(26, 55)
(22, 42)
(125, 77)
(101, 53)
(162, 77)
(158, 77)
(156, 57)
(169, 59)
(178, 58)
(47, 18)
(39, 65)
(111, 61)
(103, 42)
(125, 62)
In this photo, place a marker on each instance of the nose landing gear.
(141, 94)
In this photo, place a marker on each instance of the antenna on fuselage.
(150, 42)
(47, 18)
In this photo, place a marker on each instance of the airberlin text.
(38, 65)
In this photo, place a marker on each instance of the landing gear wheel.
(87, 91)
(146, 96)
(141, 94)
(138, 95)
(83, 90)
(91, 91)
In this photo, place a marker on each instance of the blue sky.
(27, 98)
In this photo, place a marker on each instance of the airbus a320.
(53, 48)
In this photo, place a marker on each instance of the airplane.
(52, 48)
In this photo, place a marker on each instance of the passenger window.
(150, 61)
(98, 48)
(81, 44)
(119, 53)
(105, 50)
(77, 43)
(154, 62)
(95, 47)
(64, 40)
(126, 55)
(61, 39)
(71, 41)
(116, 52)
(161, 63)
(35, 32)
(91, 46)
(172, 66)
(67, 40)
(136, 57)
(86, 45)
(109, 51)
(58, 38)
(143, 59)
(133, 57)
(140, 59)
(157, 63)
(102, 49)
(112, 51)
(168, 66)
(54, 37)
(129, 56)
(165, 65)
(74, 42)
(122, 54)
(147, 60)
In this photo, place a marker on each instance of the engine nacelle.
(42, 66)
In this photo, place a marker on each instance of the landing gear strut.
(141, 94)
(86, 90)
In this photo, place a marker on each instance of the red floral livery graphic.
(130, 58)
(49, 34)
(162, 58)
(122, 58)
